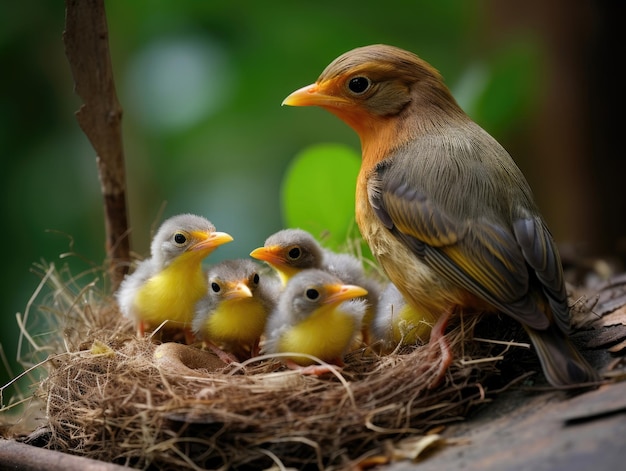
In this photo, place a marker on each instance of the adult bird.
(290, 251)
(166, 286)
(443, 206)
(231, 317)
(314, 317)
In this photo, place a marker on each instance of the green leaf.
(318, 192)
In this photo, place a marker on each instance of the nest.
(111, 396)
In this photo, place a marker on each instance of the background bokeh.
(201, 84)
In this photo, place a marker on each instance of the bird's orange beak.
(237, 290)
(209, 241)
(269, 254)
(314, 95)
(272, 254)
(340, 293)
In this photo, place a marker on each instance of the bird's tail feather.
(562, 364)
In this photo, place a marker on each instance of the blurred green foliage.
(201, 83)
(318, 192)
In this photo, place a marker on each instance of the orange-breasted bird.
(167, 286)
(443, 206)
(231, 317)
(290, 251)
(316, 315)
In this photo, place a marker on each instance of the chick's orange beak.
(237, 290)
(339, 293)
(269, 254)
(313, 95)
(209, 241)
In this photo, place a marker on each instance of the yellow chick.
(167, 286)
(231, 317)
(397, 323)
(291, 250)
(312, 317)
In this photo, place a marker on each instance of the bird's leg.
(221, 354)
(141, 329)
(189, 336)
(254, 348)
(439, 344)
(365, 336)
(311, 370)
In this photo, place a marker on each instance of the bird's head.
(226, 289)
(186, 236)
(290, 251)
(233, 279)
(369, 87)
(312, 290)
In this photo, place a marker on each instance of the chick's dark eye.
(256, 279)
(180, 238)
(359, 85)
(294, 253)
(312, 294)
(215, 287)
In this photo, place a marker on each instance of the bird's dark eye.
(215, 287)
(294, 253)
(359, 85)
(312, 294)
(179, 238)
(256, 279)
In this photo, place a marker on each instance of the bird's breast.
(240, 320)
(326, 334)
(170, 295)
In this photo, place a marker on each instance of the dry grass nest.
(111, 396)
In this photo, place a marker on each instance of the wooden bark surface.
(547, 431)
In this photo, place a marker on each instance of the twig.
(87, 50)
(14, 455)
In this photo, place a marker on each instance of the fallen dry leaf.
(413, 447)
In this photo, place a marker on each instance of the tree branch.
(19, 456)
(87, 50)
